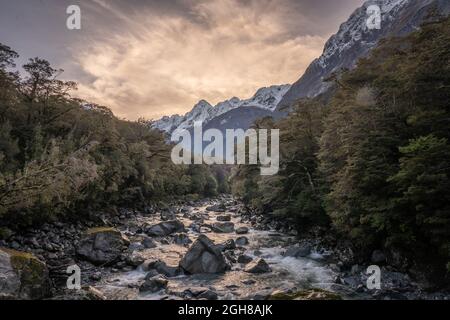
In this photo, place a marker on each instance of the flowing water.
(288, 273)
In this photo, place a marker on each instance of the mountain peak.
(265, 98)
(355, 40)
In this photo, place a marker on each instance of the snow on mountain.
(355, 40)
(265, 98)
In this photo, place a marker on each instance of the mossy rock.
(312, 294)
(102, 230)
(31, 279)
(102, 245)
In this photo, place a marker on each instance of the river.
(289, 274)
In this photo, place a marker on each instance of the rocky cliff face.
(355, 40)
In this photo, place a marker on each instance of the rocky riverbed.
(210, 249)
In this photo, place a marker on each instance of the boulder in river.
(102, 245)
(23, 276)
(154, 284)
(258, 266)
(227, 245)
(298, 251)
(135, 259)
(164, 228)
(166, 270)
(181, 239)
(223, 227)
(244, 259)
(217, 208)
(149, 243)
(204, 257)
(242, 230)
(242, 241)
(168, 215)
(224, 218)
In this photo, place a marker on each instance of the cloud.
(161, 65)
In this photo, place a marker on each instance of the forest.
(370, 160)
(62, 157)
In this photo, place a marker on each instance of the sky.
(150, 58)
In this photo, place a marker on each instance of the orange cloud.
(161, 65)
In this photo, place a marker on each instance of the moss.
(313, 294)
(32, 272)
(102, 230)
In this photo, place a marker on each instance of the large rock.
(224, 218)
(162, 268)
(298, 251)
(258, 266)
(164, 228)
(244, 259)
(154, 284)
(242, 241)
(102, 245)
(223, 227)
(22, 276)
(217, 208)
(204, 257)
(242, 230)
(181, 239)
(227, 245)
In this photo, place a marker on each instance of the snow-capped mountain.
(265, 98)
(355, 40)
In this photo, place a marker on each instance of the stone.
(136, 246)
(168, 215)
(216, 208)
(102, 245)
(23, 276)
(181, 239)
(154, 284)
(258, 266)
(135, 259)
(224, 218)
(204, 257)
(208, 295)
(149, 243)
(242, 241)
(164, 228)
(222, 227)
(298, 251)
(244, 259)
(242, 230)
(166, 270)
(227, 245)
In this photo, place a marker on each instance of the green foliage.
(63, 156)
(375, 159)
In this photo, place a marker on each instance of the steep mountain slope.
(354, 40)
